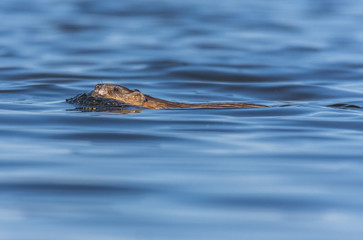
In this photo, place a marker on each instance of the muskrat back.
(135, 97)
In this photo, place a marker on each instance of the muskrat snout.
(100, 89)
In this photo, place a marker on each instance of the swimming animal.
(135, 97)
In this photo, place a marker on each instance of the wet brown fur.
(135, 97)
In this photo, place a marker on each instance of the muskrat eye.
(115, 89)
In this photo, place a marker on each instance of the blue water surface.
(293, 170)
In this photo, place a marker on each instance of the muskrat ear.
(136, 98)
(135, 90)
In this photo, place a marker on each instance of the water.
(290, 171)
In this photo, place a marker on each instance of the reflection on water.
(85, 171)
(86, 103)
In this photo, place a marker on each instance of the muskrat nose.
(99, 86)
(100, 89)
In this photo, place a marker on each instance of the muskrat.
(135, 97)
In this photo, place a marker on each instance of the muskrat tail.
(226, 105)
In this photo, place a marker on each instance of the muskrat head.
(119, 93)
